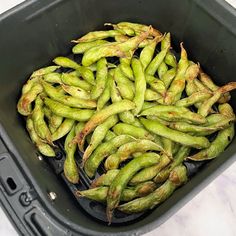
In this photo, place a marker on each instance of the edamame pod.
(102, 151)
(53, 78)
(162, 69)
(140, 85)
(168, 77)
(123, 177)
(98, 135)
(68, 112)
(43, 71)
(100, 116)
(222, 140)
(70, 168)
(43, 148)
(76, 92)
(174, 135)
(177, 177)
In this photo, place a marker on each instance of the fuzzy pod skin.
(222, 140)
(123, 177)
(103, 151)
(24, 105)
(126, 150)
(76, 102)
(100, 193)
(71, 170)
(98, 135)
(178, 84)
(174, 135)
(140, 85)
(68, 112)
(76, 92)
(163, 175)
(43, 71)
(40, 125)
(177, 177)
(43, 148)
(150, 172)
(100, 116)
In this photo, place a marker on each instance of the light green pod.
(43, 71)
(74, 80)
(100, 116)
(40, 125)
(222, 140)
(156, 84)
(126, 68)
(71, 170)
(148, 51)
(170, 59)
(68, 112)
(162, 69)
(226, 110)
(140, 85)
(24, 105)
(76, 92)
(53, 78)
(63, 129)
(98, 135)
(168, 77)
(43, 148)
(97, 35)
(84, 46)
(151, 95)
(174, 135)
(177, 178)
(150, 172)
(101, 78)
(93, 67)
(109, 135)
(178, 84)
(102, 151)
(158, 59)
(123, 177)
(125, 86)
(126, 150)
(147, 105)
(178, 159)
(126, 116)
(65, 99)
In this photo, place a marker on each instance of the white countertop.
(211, 213)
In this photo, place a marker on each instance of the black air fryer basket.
(33, 190)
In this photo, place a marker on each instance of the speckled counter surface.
(211, 213)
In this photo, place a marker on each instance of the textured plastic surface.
(31, 36)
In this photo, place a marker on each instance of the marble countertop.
(212, 212)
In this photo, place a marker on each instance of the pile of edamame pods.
(129, 105)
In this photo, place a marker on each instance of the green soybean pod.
(226, 110)
(53, 78)
(73, 80)
(125, 86)
(168, 77)
(54, 122)
(222, 140)
(84, 46)
(101, 78)
(100, 116)
(76, 92)
(157, 60)
(102, 151)
(43, 148)
(178, 159)
(24, 105)
(148, 51)
(174, 135)
(109, 135)
(170, 60)
(40, 125)
(126, 116)
(162, 69)
(126, 68)
(97, 35)
(63, 129)
(105, 179)
(149, 173)
(98, 135)
(151, 95)
(43, 71)
(71, 170)
(123, 177)
(140, 85)
(76, 102)
(156, 84)
(177, 178)
(178, 84)
(68, 112)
